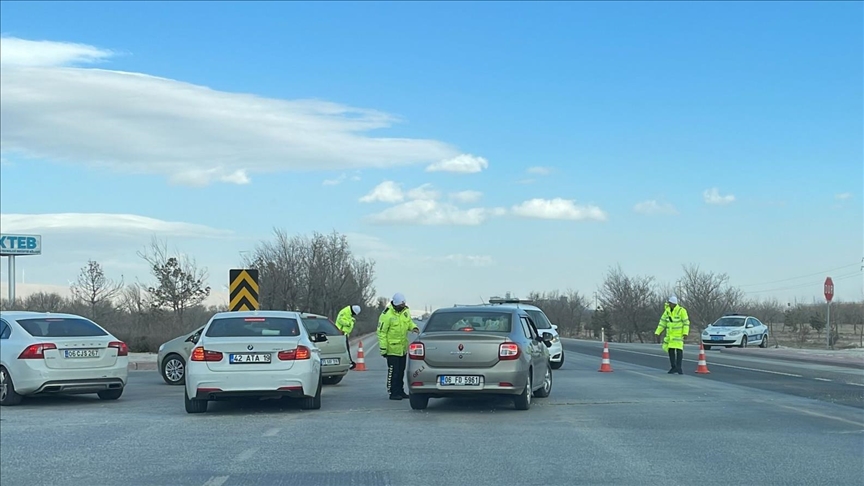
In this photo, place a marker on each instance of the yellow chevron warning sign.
(244, 289)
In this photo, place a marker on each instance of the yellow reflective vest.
(393, 329)
(676, 323)
(345, 321)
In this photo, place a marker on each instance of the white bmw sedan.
(259, 354)
(45, 353)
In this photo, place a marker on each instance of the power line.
(800, 277)
(801, 286)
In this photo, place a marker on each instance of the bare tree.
(630, 303)
(180, 284)
(94, 289)
(44, 302)
(565, 310)
(707, 296)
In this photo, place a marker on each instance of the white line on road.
(271, 432)
(855, 384)
(822, 379)
(246, 454)
(820, 415)
(793, 375)
(216, 481)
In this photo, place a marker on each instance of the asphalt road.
(635, 426)
(834, 384)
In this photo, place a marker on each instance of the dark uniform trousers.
(396, 374)
(676, 356)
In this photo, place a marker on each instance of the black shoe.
(405, 395)
(353, 365)
(680, 372)
(670, 372)
(395, 397)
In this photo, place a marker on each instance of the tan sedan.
(335, 360)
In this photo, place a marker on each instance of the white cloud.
(539, 170)
(191, 134)
(712, 196)
(654, 207)
(466, 197)
(558, 208)
(462, 164)
(28, 53)
(843, 196)
(432, 212)
(113, 223)
(465, 260)
(342, 178)
(387, 191)
(424, 192)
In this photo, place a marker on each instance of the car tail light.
(416, 383)
(508, 351)
(416, 351)
(36, 351)
(201, 354)
(301, 352)
(504, 383)
(122, 349)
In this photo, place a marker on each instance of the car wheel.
(559, 364)
(764, 343)
(707, 347)
(523, 401)
(418, 402)
(174, 369)
(112, 394)
(193, 405)
(313, 403)
(547, 385)
(743, 342)
(8, 395)
(332, 380)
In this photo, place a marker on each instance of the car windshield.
(61, 327)
(489, 321)
(253, 326)
(729, 322)
(539, 319)
(319, 324)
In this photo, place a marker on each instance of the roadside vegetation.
(319, 273)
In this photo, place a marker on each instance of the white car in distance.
(735, 330)
(262, 354)
(43, 353)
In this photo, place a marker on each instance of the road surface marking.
(855, 384)
(822, 415)
(822, 379)
(246, 454)
(793, 375)
(216, 481)
(271, 432)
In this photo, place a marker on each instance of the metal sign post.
(829, 295)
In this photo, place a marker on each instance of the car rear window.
(253, 327)
(470, 321)
(61, 327)
(319, 324)
(539, 319)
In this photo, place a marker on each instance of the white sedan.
(45, 353)
(735, 330)
(254, 354)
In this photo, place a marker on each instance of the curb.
(837, 361)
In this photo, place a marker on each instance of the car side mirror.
(318, 337)
(193, 338)
(547, 339)
(555, 327)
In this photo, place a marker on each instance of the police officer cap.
(398, 298)
(355, 308)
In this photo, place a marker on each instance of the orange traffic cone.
(605, 365)
(361, 360)
(702, 367)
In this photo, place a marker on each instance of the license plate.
(250, 358)
(449, 380)
(81, 353)
(329, 361)
(716, 338)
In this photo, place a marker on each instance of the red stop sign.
(829, 289)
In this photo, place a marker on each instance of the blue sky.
(620, 104)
